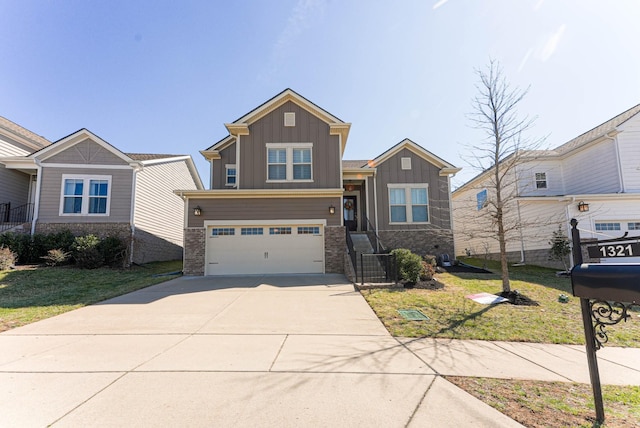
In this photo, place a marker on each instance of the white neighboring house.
(598, 171)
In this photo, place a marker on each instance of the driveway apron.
(300, 350)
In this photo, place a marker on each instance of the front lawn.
(454, 316)
(30, 294)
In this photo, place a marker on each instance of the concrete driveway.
(233, 351)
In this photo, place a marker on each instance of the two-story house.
(281, 197)
(594, 178)
(86, 185)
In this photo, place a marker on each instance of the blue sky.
(164, 76)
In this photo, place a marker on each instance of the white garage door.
(260, 249)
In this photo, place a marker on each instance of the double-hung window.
(481, 199)
(408, 203)
(231, 175)
(541, 180)
(85, 195)
(289, 162)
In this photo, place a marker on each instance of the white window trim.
(227, 167)
(85, 195)
(289, 168)
(407, 189)
(535, 180)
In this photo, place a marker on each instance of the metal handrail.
(352, 252)
(371, 228)
(12, 217)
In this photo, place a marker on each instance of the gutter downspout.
(132, 213)
(375, 207)
(618, 161)
(522, 258)
(36, 206)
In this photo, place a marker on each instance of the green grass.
(454, 316)
(29, 295)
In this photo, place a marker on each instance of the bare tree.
(502, 156)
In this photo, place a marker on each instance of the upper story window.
(231, 175)
(85, 195)
(408, 203)
(481, 199)
(541, 180)
(289, 162)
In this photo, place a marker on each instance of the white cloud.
(439, 4)
(525, 60)
(551, 44)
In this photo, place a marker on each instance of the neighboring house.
(281, 196)
(594, 178)
(17, 188)
(84, 184)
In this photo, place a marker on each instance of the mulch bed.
(424, 285)
(462, 268)
(515, 298)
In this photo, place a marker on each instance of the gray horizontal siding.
(14, 187)
(51, 191)
(158, 210)
(264, 209)
(86, 152)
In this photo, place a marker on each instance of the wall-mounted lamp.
(583, 207)
(332, 210)
(197, 211)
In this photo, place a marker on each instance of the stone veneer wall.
(194, 250)
(335, 244)
(420, 242)
(102, 230)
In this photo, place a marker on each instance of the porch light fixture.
(332, 209)
(197, 211)
(583, 207)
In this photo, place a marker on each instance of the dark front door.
(350, 209)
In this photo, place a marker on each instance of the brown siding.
(86, 152)
(228, 156)
(51, 191)
(264, 209)
(326, 156)
(421, 171)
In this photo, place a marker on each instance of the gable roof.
(76, 137)
(598, 131)
(445, 167)
(353, 164)
(240, 126)
(25, 136)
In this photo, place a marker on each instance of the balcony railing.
(12, 217)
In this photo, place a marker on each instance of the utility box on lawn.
(607, 281)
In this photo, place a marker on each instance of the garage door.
(260, 249)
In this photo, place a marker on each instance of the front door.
(350, 209)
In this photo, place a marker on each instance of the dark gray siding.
(326, 156)
(264, 209)
(51, 191)
(227, 156)
(14, 187)
(86, 152)
(421, 171)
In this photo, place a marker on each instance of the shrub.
(113, 250)
(409, 264)
(7, 258)
(31, 249)
(86, 252)
(56, 257)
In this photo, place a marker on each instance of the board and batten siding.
(227, 157)
(264, 209)
(390, 172)
(51, 193)
(86, 152)
(592, 170)
(157, 209)
(326, 156)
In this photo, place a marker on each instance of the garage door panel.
(278, 249)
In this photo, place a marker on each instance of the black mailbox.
(607, 281)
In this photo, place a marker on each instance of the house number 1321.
(616, 250)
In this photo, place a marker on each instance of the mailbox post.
(606, 293)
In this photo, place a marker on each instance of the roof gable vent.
(290, 119)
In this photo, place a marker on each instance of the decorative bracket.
(605, 313)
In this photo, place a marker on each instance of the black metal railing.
(12, 217)
(372, 234)
(374, 268)
(378, 268)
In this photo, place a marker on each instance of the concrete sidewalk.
(260, 351)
